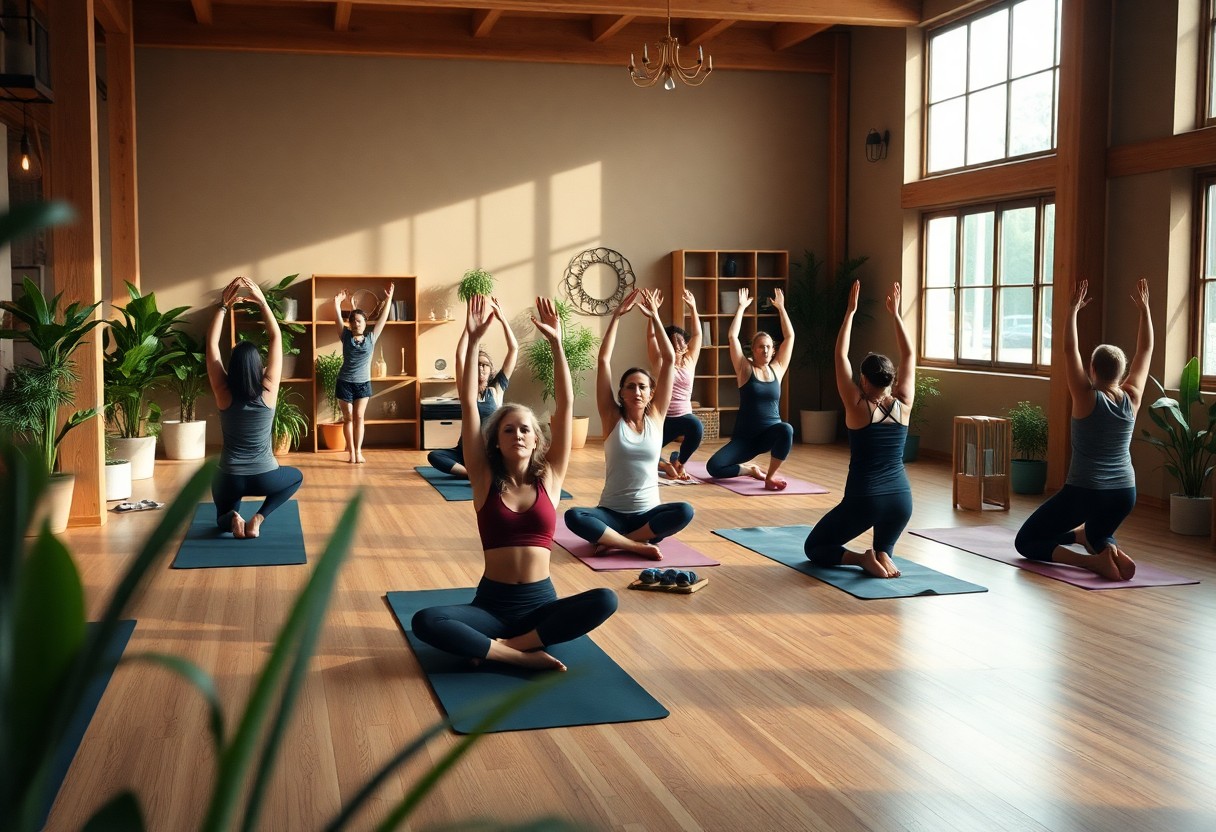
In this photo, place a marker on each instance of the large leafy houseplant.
(926, 392)
(1188, 446)
(579, 344)
(276, 299)
(139, 355)
(289, 424)
(1028, 431)
(187, 376)
(328, 366)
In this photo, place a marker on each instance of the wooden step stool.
(982, 450)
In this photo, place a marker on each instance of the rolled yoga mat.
(674, 552)
(750, 487)
(996, 543)
(784, 545)
(280, 541)
(596, 691)
(453, 489)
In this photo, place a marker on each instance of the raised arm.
(478, 318)
(339, 299)
(1079, 386)
(737, 359)
(649, 303)
(274, 345)
(694, 334)
(605, 392)
(1137, 375)
(786, 350)
(384, 313)
(653, 334)
(905, 376)
(216, 374)
(845, 385)
(512, 357)
(461, 343)
(549, 325)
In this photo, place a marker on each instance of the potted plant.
(1188, 448)
(289, 424)
(328, 366)
(816, 307)
(580, 345)
(926, 392)
(186, 438)
(118, 476)
(285, 310)
(1028, 431)
(475, 282)
(139, 355)
(34, 393)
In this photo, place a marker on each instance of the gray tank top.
(356, 357)
(247, 443)
(631, 480)
(1101, 446)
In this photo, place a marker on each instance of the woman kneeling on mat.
(491, 387)
(680, 422)
(876, 411)
(1101, 487)
(758, 427)
(246, 395)
(629, 516)
(516, 482)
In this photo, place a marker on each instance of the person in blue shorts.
(355, 379)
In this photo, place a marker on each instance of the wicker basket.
(709, 420)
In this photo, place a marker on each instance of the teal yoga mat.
(453, 489)
(784, 545)
(84, 714)
(596, 691)
(280, 542)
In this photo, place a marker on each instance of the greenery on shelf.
(816, 307)
(276, 297)
(579, 344)
(139, 357)
(187, 376)
(926, 392)
(328, 366)
(289, 422)
(1028, 430)
(475, 282)
(1188, 447)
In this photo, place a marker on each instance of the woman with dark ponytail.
(876, 412)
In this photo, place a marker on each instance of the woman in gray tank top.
(1101, 487)
(246, 395)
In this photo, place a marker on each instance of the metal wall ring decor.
(587, 303)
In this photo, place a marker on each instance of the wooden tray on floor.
(672, 590)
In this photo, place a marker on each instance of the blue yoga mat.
(596, 691)
(280, 541)
(784, 545)
(84, 714)
(454, 489)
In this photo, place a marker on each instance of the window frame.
(1204, 179)
(1208, 25)
(966, 20)
(992, 364)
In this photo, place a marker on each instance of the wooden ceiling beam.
(785, 35)
(484, 20)
(342, 16)
(113, 15)
(604, 26)
(700, 32)
(202, 11)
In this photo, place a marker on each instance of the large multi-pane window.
(986, 285)
(1206, 295)
(1209, 82)
(993, 86)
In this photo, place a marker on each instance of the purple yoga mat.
(750, 487)
(996, 543)
(675, 553)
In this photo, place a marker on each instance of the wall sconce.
(876, 144)
(23, 163)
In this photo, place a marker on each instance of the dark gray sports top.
(356, 357)
(247, 444)
(1101, 446)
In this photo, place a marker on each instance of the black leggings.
(665, 519)
(227, 490)
(1100, 510)
(687, 426)
(777, 439)
(888, 514)
(506, 610)
(445, 458)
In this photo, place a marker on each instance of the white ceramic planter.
(291, 309)
(118, 481)
(141, 451)
(289, 365)
(184, 440)
(1190, 515)
(55, 505)
(819, 426)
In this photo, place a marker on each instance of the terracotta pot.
(332, 436)
(282, 445)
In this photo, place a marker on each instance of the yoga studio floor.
(1034, 706)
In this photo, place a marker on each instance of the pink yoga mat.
(675, 553)
(996, 543)
(750, 487)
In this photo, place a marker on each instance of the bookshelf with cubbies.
(710, 275)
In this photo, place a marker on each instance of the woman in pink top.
(680, 423)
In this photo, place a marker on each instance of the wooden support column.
(124, 202)
(76, 248)
(838, 154)
(1080, 240)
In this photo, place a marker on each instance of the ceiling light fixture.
(668, 68)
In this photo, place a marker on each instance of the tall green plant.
(139, 355)
(579, 344)
(188, 375)
(475, 282)
(289, 421)
(276, 294)
(1028, 430)
(1188, 446)
(328, 366)
(926, 392)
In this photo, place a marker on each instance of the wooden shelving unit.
(708, 274)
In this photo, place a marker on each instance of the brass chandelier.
(668, 67)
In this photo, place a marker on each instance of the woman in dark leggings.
(876, 412)
(246, 394)
(679, 422)
(1100, 490)
(517, 481)
(758, 427)
(491, 387)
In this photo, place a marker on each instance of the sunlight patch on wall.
(445, 243)
(506, 227)
(575, 208)
(394, 251)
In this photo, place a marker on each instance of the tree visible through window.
(987, 285)
(993, 86)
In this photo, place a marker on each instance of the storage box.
(440, 433)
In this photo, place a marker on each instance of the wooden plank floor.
(1034, 706)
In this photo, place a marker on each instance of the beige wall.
(271, 164)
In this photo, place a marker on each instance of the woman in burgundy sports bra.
(517, 481)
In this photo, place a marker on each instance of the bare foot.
(1125, 565)
(517, 650)
(774, 483)
(255, 526)
(681, 474)
(646, 550)
(238, 526)
(884, 560)
(351, 459)
(668, 470)
(868, 561)
(537, 660)
(360, 458)
(1104, 564)
(754, 472)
